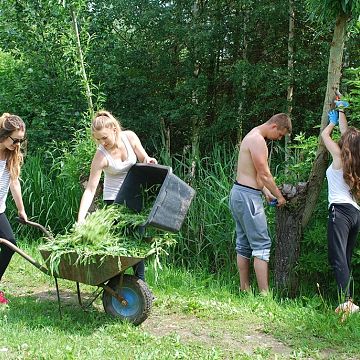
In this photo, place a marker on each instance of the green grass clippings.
(111, 231)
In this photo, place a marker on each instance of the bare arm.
(97, 165)
(331, 145)
(268, 195)
(15, 189)
(258, 151)
(342, 122)
(139, 150)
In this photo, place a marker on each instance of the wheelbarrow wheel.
(137, 295)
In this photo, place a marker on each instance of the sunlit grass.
(307, 326)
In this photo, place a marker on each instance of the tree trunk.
(290, 89)
(244, 78)
(195, 141)
(287, 251)
(82, 64)
(292, 220)
(289, 231)
(334, 74)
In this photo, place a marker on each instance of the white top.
(339, 190)
(4, 185)
(116, 170)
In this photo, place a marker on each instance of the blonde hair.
(350, 156)
(282, 121)
(14, 158)
(104, 119)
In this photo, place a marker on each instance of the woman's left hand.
(149, 160)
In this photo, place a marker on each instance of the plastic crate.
(173, 196)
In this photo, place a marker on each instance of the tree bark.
(287, 251)
(289, 232)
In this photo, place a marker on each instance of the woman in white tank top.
(343, 177)
(117, 152)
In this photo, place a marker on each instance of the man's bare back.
(246, 171)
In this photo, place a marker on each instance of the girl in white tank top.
(118, 150)
(115, 172)
(343, 177)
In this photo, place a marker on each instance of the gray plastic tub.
(172, 195)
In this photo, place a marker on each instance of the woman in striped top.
(12, 132)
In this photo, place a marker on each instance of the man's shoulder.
(254, 137)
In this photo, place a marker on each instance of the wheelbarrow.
(123, 296)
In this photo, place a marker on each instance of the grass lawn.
(195, 316)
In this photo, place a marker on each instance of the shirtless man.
(252, 180)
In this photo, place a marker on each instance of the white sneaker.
(347, 307)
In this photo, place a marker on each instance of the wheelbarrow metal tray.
(98, 271)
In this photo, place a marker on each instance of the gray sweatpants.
(252, 236)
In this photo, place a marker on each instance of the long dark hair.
(350, 156)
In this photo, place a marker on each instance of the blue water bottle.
(273, 202)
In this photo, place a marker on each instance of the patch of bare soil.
(189, 328)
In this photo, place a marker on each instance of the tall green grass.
(49, 199)
(206, 240)
(51, 184)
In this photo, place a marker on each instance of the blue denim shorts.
(252, 236)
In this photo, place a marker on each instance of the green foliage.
(322, 9)
(38, 37)
(302, 152)
(209, 69)
(313, 264)
(354, 96)
(71, 161)
(48, 199)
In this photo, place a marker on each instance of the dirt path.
(222, 334)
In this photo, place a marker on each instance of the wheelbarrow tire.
(137, 295)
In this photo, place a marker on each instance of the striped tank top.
(116, 170)
(4, 185)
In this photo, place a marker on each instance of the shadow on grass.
(41, 310)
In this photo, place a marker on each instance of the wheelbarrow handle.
(24, 255)
(35, 225)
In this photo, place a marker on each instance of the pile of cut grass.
(112, 230)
